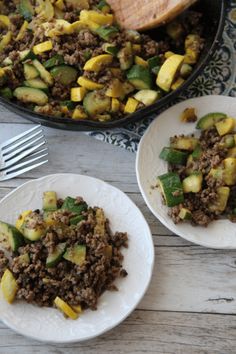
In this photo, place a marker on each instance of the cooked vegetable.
(78, 93)
(65, 308)
(106, 33)
(49, 201)
(54, 61)
(140, 77)
(42, 47)
(9, 286)
(225, 126)
(33, 228)
(185, 214)
(96, 103)
(229, 171)
(21, 218)
(220, 203)
(147, 97)
(184, 143)
(89, 84)
(30, 94)
(45, 75)
(171, 188)
(193, 183)
(64, 74)
(56, 255)
(173, 156)
(131, 105)
(72, 205)
(36, 83)
(10, 237)
(26, 9)
(76, 254)
(125, 56)
(30, 72)
(188, 115)
(98, 62)
(168, 71)
(209, 120)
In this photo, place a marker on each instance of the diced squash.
(217, 173)
(188, 115)
(65, 308)
(79, 113)
(193, 183)
(89, 84)
(168, 54)
(225, 126)
(229, 171)
(147, 97)
(168, 71)
(6, 38)
(49, 200)
(59, 27)
(77, 26)
(192, 48)
(184, 143)
(78, 93)
(125, 56)
(131, 105)
(4, 21)
(21, 219)
(186, 70)
(209, 120)
(115, 105)
(96, 17)
(49, 219)
(115, 89)
(232, 152)
(185, 214)
(171, 188)
(9, 286)
(93, 26)
(77, 308)
(60, 4)
(98, 62)
(22, 31)
(96, 103)
(42, 47)
(136, 48)
(140, 61)
(220, 203)
(177, 83)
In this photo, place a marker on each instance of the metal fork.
(21, 153)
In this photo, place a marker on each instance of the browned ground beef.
(75, 284)
(198, 203)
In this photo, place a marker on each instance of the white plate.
(48, 324)
(220, 233)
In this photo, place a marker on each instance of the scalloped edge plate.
(218, 234)
(48, 324)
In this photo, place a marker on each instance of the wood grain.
(147, 14)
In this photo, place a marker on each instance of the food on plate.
(64, 255)
(70, 59)
(200, 185)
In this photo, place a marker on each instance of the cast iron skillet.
(214, 16)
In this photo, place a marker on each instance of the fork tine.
(19, 172)
(20, 149)
(7, 150)
(27, 162)
(19, 136)
(22, 155)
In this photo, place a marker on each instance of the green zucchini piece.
(173, 156)
(154, 62)
(193, 183)
(125, 56)
(7, 61)
(209, 120)
(30, 72)
(147, 97)
(156, 70)
(10, 237)
(184, 143)
(76, 219)
(227, 141)
(95, 103)
(102, 4)
(185, 214)
(6, 92)
(30, 94)
(26, 54)
(49, 201)
(87, 54)
(31, 229)
(171, 188)
(44, 74)
(220, 203)
(186, 71)
(197, 152)
(71, 205)
(110, 49)
(54, 61)
(26, 9)
(24, 258)
(140, 77)
(56, 255)
(76, 254)
(69, 104)
(107, 32)
(36, 83)
(65, 74)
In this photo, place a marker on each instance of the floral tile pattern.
(218, 78)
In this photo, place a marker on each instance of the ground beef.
(75, 284)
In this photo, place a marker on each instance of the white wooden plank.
(143, 332)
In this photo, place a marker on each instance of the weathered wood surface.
(190, 304)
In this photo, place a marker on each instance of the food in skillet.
(69, 58)
(200, 185)
(64, 255)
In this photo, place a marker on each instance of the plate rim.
(136, 302)
(168, 225)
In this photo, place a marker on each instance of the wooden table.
(190, 306)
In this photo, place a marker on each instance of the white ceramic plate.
(48, 324)
(220, 233)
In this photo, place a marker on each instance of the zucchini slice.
(171, 188)
(10, 237)
(76, 254)
(26, 9)
(30, 94)
(185, 214)
(54, 61)
(193, 183)
(220, 203)
(30, 72)
(96, 103)
(125, 56)
(76, 219)
(56, 256)
(209, 120)
(9, 286)
(45, 75)
(65, 74)
(71, 205)
(65, 308)
(49, 201)
(36, 83)
(33, 227)
(140, 77)
(184, 143)
(174, 156)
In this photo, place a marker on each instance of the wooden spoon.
(146, 14)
